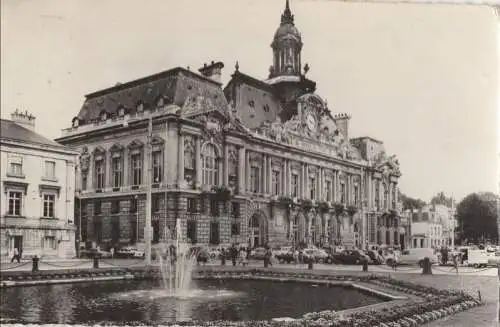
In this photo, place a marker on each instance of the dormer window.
(251, 103)
(140, 107)
(121, 112)
(76, 122)
(266, 108)
(104, 115)
(160, 103)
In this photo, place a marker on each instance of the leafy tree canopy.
(411, 203)
(477, 217)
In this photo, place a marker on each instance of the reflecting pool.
(148, 302)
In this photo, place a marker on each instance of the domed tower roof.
(287, 29)
(286, 45)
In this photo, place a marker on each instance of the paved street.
(124, 263)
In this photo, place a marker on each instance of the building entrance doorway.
(256, 231)
(17, 243)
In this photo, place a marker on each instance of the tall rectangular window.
(15, 203)
(377, 195)
(16, 166)
(50, 169)
(191, 231)
(117, 172)
(84, 181)
(156, 203)
(97, 207)
(214, 233)
(191, 204)
(328, 190)
(312, 188)
(133, 205)
(115, 206)
(48, 205)
(254, 179)
(356, 195)
(276, 182)
(342, 193)
(136, 169)
(99, 171)
(393, 196)
(157, 167)
(295, 185)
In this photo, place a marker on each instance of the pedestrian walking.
(16, 256)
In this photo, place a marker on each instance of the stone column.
(284, 178)
(269, 176)
(288, 179)
(306, 181)
(325, 231)
(180, 161)
(264, 175)
(125, 172)
(225, 181)
(247, 168)
(334, 186)
(198, 180)
(369, 193)
(302, 184)
(320, 185)
(389, 196)
(241, 170)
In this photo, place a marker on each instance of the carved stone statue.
(84, 159)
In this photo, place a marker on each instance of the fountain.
(177, 267)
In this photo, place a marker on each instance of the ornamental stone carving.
(276, 162)
(233, 160)
(295, 166)
(255, 159)
(189, 151)
(312, 170)
(84, 159)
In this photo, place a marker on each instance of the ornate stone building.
(258, 161)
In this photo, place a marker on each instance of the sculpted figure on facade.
(189, 151)
(84, 159)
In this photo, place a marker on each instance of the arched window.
(210, 165)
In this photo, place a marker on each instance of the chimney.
(212, 71)
(342, 122)
(24, 119)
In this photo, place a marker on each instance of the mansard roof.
(174, 86)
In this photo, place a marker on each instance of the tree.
(477, 217)
(440, 198)
(410, 203)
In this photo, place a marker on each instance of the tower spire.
(287, 17)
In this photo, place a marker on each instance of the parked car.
(413, 256)
(318, 255)
(285, 257)
(350, 257)
(214, 253)
(129, 252)
(89, 253)
(281, 250)
(494, 258)
(258, 254)
(202, 256)
(375, 258)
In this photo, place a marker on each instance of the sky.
(421, 78)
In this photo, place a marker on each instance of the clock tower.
(285, 74)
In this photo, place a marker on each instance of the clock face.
(311, 122)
